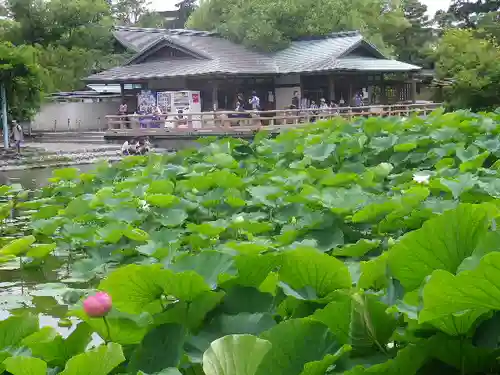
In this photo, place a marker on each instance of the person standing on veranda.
(255, 102)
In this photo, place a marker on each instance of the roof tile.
(226, 57)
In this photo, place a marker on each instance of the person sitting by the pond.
(17, 136)
(143, 147)
(130, 148)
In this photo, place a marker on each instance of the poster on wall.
(146, 102)
(164, 100)
(181, 100)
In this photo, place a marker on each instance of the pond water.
(33, 178)
(37, 289)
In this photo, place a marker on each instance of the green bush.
(368, 247)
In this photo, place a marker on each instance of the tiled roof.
(304, 54)
(365, 64)
(221, 56)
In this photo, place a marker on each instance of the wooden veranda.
(227, 121)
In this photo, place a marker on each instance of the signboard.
(146, 102)
(164, 99)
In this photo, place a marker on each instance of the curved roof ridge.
(337, 34)
(188, 32)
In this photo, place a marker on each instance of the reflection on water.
(36, 288)
(33, 178)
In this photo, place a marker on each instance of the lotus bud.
(98, 305)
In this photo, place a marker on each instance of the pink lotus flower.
(97, 306)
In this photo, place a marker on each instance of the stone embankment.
(46, 155)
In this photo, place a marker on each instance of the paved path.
(71, 147)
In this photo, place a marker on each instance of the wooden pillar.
(301, 92)
(383, 93)
(215, 96)
(349, 99)
(331, 88)
(413, 88)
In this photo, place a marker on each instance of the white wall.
(74, 116)
(284, 95)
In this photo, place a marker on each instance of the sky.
(432, 5)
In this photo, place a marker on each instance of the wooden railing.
(250, 120)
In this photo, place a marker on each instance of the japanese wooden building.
(334, 67)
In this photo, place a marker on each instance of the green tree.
(22, 77)
(490, 25)
(412, 43)
(472, 64)
(470, 13)
(480, 15)
(129, 12)
(64, 68)
(151, 19)
(57, 21)
(71, 38)
(272, 24)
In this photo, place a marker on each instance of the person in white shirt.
(255, 101)
(129, 148)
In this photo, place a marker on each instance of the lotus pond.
(364, 247)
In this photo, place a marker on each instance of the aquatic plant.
(364, 247)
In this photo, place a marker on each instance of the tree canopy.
(69, 39)
(473, 65)
(22, 79)
(412, 44)
(270, 25)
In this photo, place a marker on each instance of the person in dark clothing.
(295, 100)
(143, 146)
